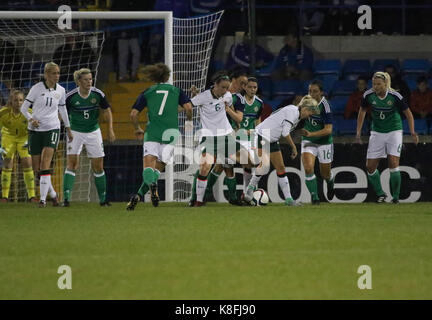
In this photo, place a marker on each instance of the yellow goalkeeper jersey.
(11, 124)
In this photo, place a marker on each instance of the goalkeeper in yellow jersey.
(14, 139)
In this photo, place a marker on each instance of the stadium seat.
(267, 70)
(338, 104)
(410, 77)
(412, 84)
(4, 94)
(420, 125)
(335, 129)
(217, 65)
(265, 87)
(343, 87)
(37, 69)
(331, 66)
(68, 86)
(305, 87)
(347, 126)
(274, 103)
(287, 87)
(353, 68)
(380, 64)
(327, 80)
(415, 66)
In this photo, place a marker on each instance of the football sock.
(330, 182)
(148, 176)
(375, 181)
(29, 182)
(156, 175)
(68, 183)
(51, 190)
(311, 184)
(193, 195)
(247, 176)
(395, 182)
(254, 181)
(6, 177)
(45, 183)
(231, 183)
(100, 182)
(200, 187)
(143, 190)
(284, 185)
(212, 178)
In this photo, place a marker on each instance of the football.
(260, 197)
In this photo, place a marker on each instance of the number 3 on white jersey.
(165, 93)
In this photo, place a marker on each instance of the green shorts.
(41, 139)
(274, 146)
(223, 146)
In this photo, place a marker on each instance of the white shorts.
(91, 140)
(383, 144)
(164, 152)
(324, 152)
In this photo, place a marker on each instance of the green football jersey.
(317, 122)
(385, 112)
(162, 101)
(251, 113)
(84, 112)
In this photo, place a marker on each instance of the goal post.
(192, 39)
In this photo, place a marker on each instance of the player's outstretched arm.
(139, 133)
(292, 146)
(236, 115)
(360, 120)
(410, 120)
(109, 118)
(193, 91)
(188, 109)
(327, 130)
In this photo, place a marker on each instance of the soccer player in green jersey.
(251, 118)
(317, 141)
(84, 104)
(161, 134)
(386, 132)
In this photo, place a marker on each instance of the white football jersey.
(46, 104)
(213, 116)
(279, 124)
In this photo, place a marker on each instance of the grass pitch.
(216, 252)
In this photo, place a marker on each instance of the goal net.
(25, 46)
(193, 44)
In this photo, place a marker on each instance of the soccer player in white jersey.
(279, 124)
(238, 80)
(47, 99)
(84, 104)
(217, 140)
(386, 132)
